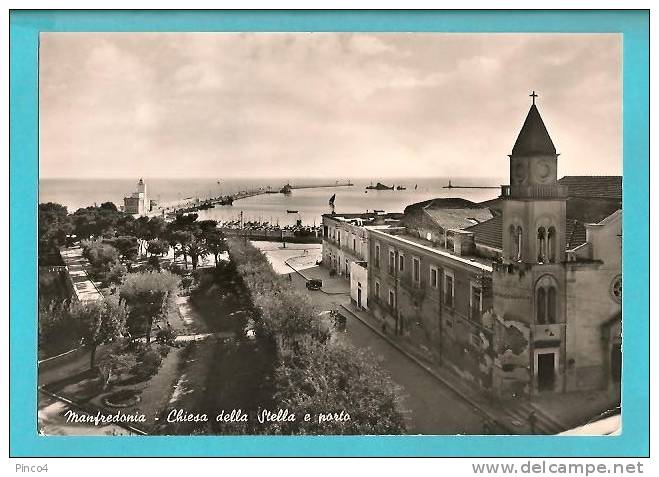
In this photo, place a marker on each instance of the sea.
(307, 204)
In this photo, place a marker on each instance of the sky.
(322, 104)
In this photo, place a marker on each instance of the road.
(430, 407)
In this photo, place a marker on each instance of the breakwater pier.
(191, 204)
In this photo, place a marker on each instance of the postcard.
(376, 235)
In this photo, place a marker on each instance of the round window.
(616, 289)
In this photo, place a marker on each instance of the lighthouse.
(138, 202)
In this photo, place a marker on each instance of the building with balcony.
(345, 238)
(345, 248)
(521, 294)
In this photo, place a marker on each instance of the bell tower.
(529, 286)
(534, 202)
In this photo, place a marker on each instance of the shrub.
(337, 378)
(165, 335)
(148, 362)
(112, 365)
(153, 263)
(115, 274)
(187, 281)
(99, 254)
(315, 373)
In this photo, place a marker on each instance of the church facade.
(522, 294)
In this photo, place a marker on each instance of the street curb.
(47, 360)
(430, 371)
(86, 410)
(551, 419)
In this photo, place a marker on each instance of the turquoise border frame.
(24, 37)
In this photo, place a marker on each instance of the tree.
(126, 245)
(180, 240)
(195, 248)
(141, 231)
(95, 222)
(157, 247)
(206, 226)
(113, 364)
(99, 254)
(54, 227)
(153, 263)
(148, 296)
(216, 243)
(99, 322)
(116, 273)
(58, 331)
(333, 378)
(156, 229)
(109, 206)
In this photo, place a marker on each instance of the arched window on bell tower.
(546, 301)
(520, 243)
(541, 245)
(512, 235)
(540, 306)
(551, 304)
(551, 244)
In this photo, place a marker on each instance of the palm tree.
(216, 243)
(181, 239)
(195, 248)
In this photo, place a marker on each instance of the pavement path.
(83, 286)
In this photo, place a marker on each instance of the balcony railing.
(547, 191)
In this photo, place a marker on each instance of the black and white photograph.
(329, 233)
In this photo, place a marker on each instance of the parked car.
(314, 284)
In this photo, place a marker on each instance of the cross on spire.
(533, 95)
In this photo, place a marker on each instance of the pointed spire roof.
(533, 138)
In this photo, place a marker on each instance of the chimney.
(463, 242)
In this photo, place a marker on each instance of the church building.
(521, 294)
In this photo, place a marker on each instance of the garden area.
(252, 343)
(121, 349)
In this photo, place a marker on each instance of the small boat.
(415, 186)
(331, 201)
(291, 211)
(378, 211)
(401, 188)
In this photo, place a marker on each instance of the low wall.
(69, 358)
(272, 236)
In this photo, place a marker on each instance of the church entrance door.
(546, 374)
